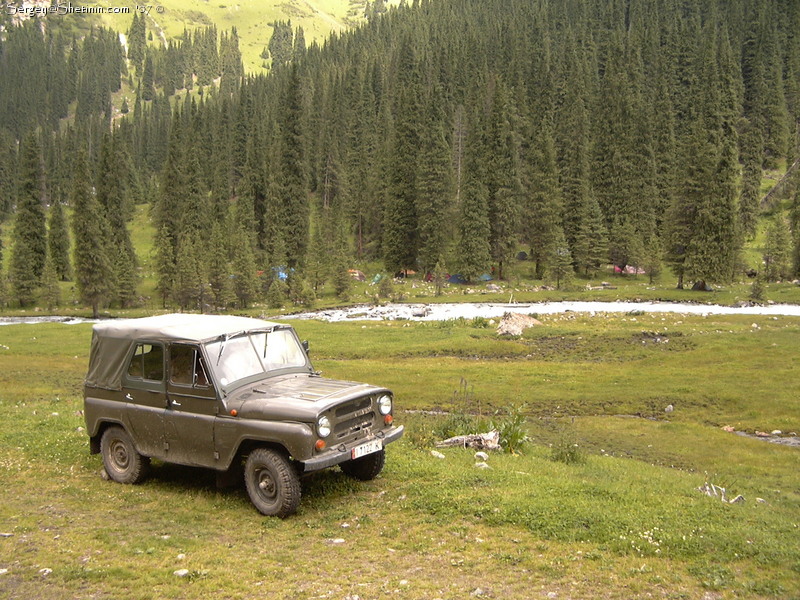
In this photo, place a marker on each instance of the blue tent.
(456, 279)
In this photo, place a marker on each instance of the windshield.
(257, 353)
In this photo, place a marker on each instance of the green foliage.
(511, 425)
(94, 273)
(777, 250)
(58, 245)
(386, 287)
(277, 294)
(758, 291)
(51, 292)
(29, 251)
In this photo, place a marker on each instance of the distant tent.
(485, 277)
(456, 279)
(281, 273)
(629, 270)
(378, 278)
(357, 275)
(522, 255)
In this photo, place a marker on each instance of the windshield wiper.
(221, 348)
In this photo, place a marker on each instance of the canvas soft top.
(113, 340)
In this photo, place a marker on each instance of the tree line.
(444, 134)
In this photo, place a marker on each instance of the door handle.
(128, 397)
(175, 403)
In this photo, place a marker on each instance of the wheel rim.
(267, 487)
(120, 458)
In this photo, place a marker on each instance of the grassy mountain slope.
(251, 18)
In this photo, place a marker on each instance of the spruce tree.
(164, 263)
(219, 280)
(473, 257)
(148, 91)
(400, 225)
(245, 286)
(294, 192)
(435, 192)
(591, 243)
(137, 41)
(29, 251)
(559, 264)
(777, 250)
(504, 179)
(51, 292)
(94, 273)
(543, 208)
(189, 289)
(58, 245)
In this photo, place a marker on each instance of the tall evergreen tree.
(58, 242)
(473, 256)
(94, 273)
(777, 250)
(543, 208)
(219, 280)
(504, 178)
(137, 41)
(29, 251)
(294, 186)
(435, 190)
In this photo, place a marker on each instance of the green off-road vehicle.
(232, 394)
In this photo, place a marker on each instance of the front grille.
(352, 418)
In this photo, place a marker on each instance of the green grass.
(627, 519)
(251, 18)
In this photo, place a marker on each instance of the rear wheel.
(367, 467)
(272, 483)
(120, 458)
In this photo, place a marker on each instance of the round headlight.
(385, 404)
(324, 427)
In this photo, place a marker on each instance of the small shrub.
(566, 448)
(513, 433)
(386, 287)
(480, 323)
(457, 424)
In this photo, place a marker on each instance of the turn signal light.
(388, 419)
(320, 444)
(234, 412)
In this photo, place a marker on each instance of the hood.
(295, 397)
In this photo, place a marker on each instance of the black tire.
(122, 462)
(272, 483)
(367, 467)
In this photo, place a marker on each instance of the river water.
(469, 310)
(444, 311)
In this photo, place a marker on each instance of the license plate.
(368, 448)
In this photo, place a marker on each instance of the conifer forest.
(438, 135)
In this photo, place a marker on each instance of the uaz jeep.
(230, 394)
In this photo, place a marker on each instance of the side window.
(147, 362)
(186, 366)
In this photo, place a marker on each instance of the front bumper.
(341, 453)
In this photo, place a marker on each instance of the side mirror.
(304, 343)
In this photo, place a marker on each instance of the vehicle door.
(146, 399)
(191, 409)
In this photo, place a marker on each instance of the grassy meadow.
(619, 516)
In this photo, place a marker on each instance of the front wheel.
(272, 483)
(367, 467)
(120, 458)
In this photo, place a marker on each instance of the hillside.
(437, 137)
(252, 19)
